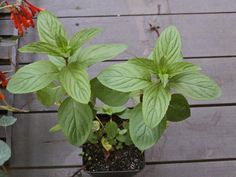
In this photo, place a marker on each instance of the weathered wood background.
(202, 146)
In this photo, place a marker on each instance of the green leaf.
(50, 95)
(125, 114)
(182, 67)
(111, 129)
(110, 110)
(42, 47)
(5, 152)
(97, 53)
(33, 77)
(76, 121)
(49, 27)
(61, 42)
(57, 61)
(55, 128)
(142, 62)
(179, 108)
(142, 136)
(96, 126)
(6, 121)
(75, 81)
(125, 77)
(196, 86)
(82, 37)
(168, 46)
(156, 100)
(108, 96)
(107, 146)
(164, 79)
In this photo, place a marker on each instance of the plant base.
(125, 162)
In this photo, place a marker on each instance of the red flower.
(3, 80)
(2, 96)
(22, 14)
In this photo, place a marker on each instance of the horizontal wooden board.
(220, 69)
(204, 169)
(209, 35)
(208, 134)
(131, 7)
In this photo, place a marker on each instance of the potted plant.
(113, 136)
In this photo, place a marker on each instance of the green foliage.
(142, 136)
(33, 77)
(97, 53)
(158, 84)
(111, 129)
(44, 48)
(109, 110)
(108, 96)
(5, 152)
(83, 36)
(196, 86)
(76, 121)
(50, 95)
(75, 81)
(125, 77)
(55, 128)
(49, 28)
(178, 109)
(165, 73)
(168, 46)
(156, 100)
(6, 121)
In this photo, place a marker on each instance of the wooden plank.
(204, 169)
(220, 69)
(209, 35)
(36, 146)
(208, 134)
(61, 172)
(131, 7)
(208, 169)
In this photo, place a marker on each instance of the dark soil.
(126, 159)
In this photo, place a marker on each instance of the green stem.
(10, 108)
(4, 169)
(99, 121)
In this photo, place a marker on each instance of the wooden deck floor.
(202, 146)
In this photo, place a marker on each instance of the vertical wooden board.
(132, 7)
(209, 35)
(208, 134)
(33, 144)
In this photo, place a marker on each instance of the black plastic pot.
(125, 173)
(114, 173)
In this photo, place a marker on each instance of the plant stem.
(2, 3)
(10, 108)
(4, 169)
(99, 121)
(6, 7)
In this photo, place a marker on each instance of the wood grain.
(132, 7)
(204, 169)
(209, 35)
(208, 134)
